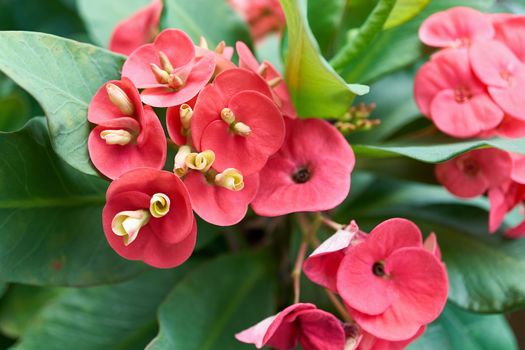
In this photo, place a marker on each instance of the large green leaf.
(212, 19)
(215, 301)
(405, 10)
(316, 89)
(325, 17)
(484, 270)
(120, 316)
(457, 329)
(398, 47)
(51, 226)
(436, 149)
(14, 112)
(63, 75)
(101, 16)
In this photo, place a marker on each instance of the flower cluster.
(392, 285)
(473, 86)
(499, 174)
(263, 16)
(237, 138)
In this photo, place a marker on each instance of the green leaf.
(63, 75)
(398, 47)
(101, 16)
(457, 329)
(316, 89)
(405, 10)
(14, 112)
(21, 304)
(51, 226)
(120, 316)
(215, 301)
(436, 149)
(325, 18)
(214, 20)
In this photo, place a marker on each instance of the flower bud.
(116, 137)
(159, 205)
(127, 224)
(242, 129)
(227, 115)
(231, 179)
(186, 112)
(120, 99)
(180, 169)
(200, 161)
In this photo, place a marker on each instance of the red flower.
(391, 284)
(263, 16)
(236, 118)
(148, 217)
(300, 323)
(447, 91)
(127, 135)
(178, 121)
(169, 69)
(311, 172)
(456, 27)
(267, 71)
(141, 28)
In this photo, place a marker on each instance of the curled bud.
(180, 169)
(165, 62)
(120, 99)
(231, 179)
(200, 161)
(186, 112)
(159, 205)
(242, 129)
(127, 224)
(116, 137)
(227, 115)
(161, 75)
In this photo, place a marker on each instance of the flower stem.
(339, 306)
(332, 224)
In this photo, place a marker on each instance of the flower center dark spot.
(379, 269)
(470, 167)
(301, 175)
(462, 94)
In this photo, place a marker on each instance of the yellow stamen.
(220, 47)
(116, 137)
(200, 161)
(120, 99)
(203, 43)
(180, 169)
(165, 62)
(161, 75)
(263, 68)
(175, 82)
(275, 81)
(231, 179)
(159, 205)
(127, 224)
(242, 129)
(186, 112)
(227, 115)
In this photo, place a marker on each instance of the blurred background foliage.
(124, 305)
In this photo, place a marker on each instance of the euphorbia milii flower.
(311, 172)
(446, 91)
(510, 30)
(178, 121)
(169, 70)
(148, 217)
(498, 67)
(128, 135)
(503, 198)
(456, 27)
(141, 28)
(473, 173)
(267, 71)
(236, 118)
(263, 16)
(301, 323)
(391, 284)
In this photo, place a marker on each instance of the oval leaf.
(317, 90)
(403, 11)
(215, 301)
(63, 75)
(51, 226)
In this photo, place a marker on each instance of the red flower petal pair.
(148, 217)
(301, 323)
(128, 135)
(169, 70)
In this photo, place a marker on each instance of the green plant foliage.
(215, 301)
(63, 75)
(51, 217)
(214, 20)
(405, 10)
(316, 89)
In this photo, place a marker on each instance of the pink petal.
(511, 31)
(248, 154)
(518, 167)
(137, 67)
(369, 342)
(458, 26)
(431, 245)
(511, 128)
(510, 99)
(467, 118)
(246, 58)
(516, 232)
(233, 81)
(177, 45)
(317, 146)
(320, 330)
(217, 205)
(137, 30)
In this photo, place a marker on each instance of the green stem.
(368, 31)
